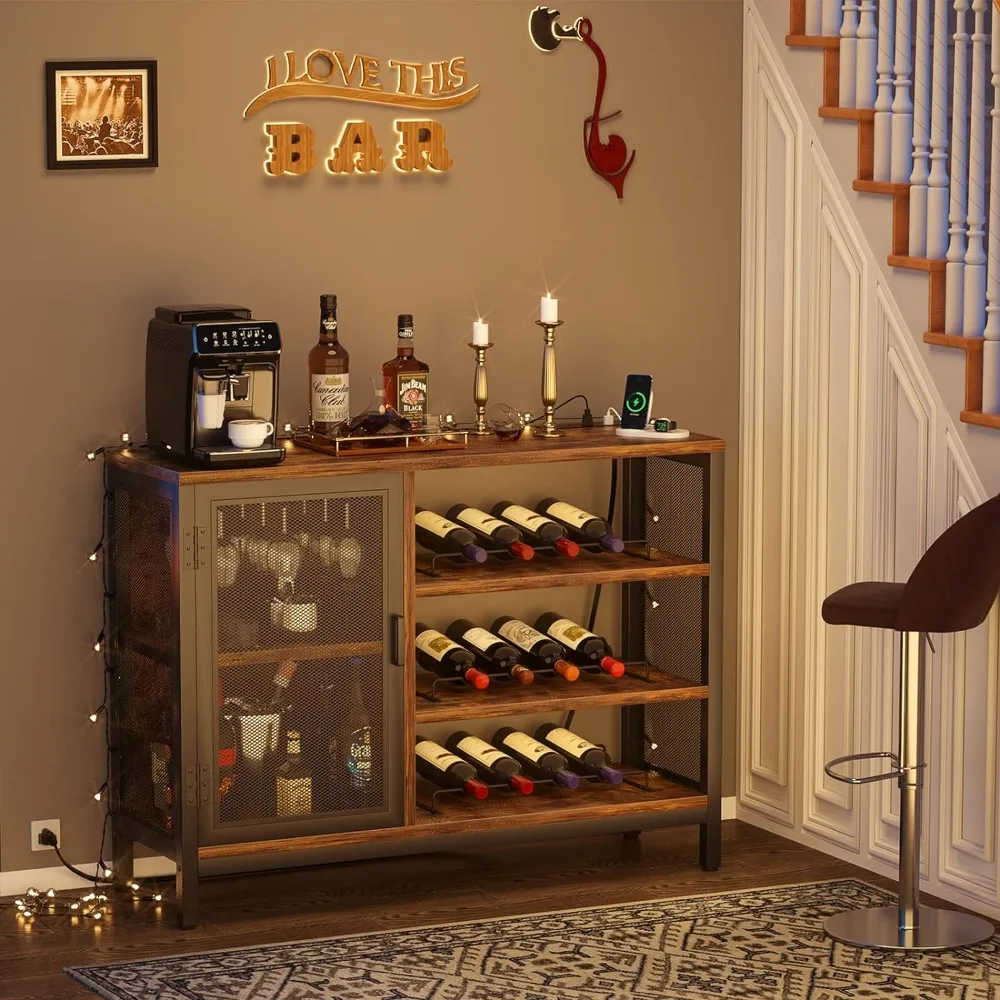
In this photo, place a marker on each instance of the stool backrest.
(955, 583)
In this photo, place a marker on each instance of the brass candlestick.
(549, 387)
(480, 391)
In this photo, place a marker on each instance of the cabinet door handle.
(397, 635)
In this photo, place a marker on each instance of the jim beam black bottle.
(405, 378)
(329, 378)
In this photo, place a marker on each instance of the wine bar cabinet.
(265, 691)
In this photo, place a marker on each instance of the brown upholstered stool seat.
(875, 605)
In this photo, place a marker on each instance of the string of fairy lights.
(94, 905)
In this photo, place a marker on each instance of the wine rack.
(187, 629)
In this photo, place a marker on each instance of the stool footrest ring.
(868, 778)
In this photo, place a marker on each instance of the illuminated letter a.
(356, 151)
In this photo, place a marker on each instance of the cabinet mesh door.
(299, 631)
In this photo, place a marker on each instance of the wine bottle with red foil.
(282, 679)
(583, 756)
(537, 529)
(536, 758)
(581, 645)
(580, 524)
(446, 658)
(492, 654)
(537, 650)
(445, 770)
(491, 531)
(496, 766)
(438, 534)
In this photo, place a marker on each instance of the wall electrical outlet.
(37, 826)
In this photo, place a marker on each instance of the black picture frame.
(98, 138)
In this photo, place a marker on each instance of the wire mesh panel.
(675, 501)
(300, 621)
(144, 655)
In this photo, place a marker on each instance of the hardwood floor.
(406, 892)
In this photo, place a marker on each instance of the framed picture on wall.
(100, 114)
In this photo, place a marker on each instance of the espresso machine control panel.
(227, 338)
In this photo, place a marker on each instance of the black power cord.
(586, 420)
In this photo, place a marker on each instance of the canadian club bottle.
(444, 769)
(329, 378)
(294, 781)
(492, 654)
(536, 758)
(582, 647)
(583, 756)
(494, 765)
(580, 524)
(405, 378)
(438, 534)
(536, 528)
(491, 530)
(537, 650)
(440, 655)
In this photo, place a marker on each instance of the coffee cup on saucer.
(249, 433)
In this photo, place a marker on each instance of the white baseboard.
(729, 807)
(14, 883)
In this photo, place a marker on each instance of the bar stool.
(951, 589)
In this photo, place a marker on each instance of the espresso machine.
(206, 367)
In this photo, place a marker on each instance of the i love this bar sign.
(330, 74)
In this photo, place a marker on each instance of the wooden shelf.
(881, 187)
(274, 654)
(981, 419)
(541, 572)
(955, 340)
(916, 263)
(847, 114)
(812, 41)
(553, 694)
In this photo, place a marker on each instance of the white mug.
(249, 433)
(211, 409)
(299, 614)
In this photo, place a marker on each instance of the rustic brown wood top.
(576, 444)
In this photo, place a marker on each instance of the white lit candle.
(549, 310)
(480, 333)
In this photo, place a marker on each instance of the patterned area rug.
(760, 943)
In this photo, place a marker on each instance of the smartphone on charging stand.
(638, 403)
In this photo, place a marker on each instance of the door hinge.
(190, 550)
(204, 784)
(190, 785)
(201, 548)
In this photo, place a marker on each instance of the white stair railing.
(921, 132)
(867, 55)
(883, 99)
(902, 101)
(830, 17)
(991, 346)
(814, 17)
(974, 293)
(954, 271)
(849, 55)
(937, 180)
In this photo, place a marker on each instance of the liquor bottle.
(536, 528)
(282, 679)
(493, 764)
(438, 534)
(329, 378)
(582, 647)
(491, 530)
(537, 650)
(405, 378)
(443, 768)
(536, 758)
(356, 735)
(491, 652)
(439, 654)
(294, 781)
(583, 756)
(228, 741)
(580, 524)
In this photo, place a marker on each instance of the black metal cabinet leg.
(632, 834)
(187, 886)
(710, 845)
(123, 853)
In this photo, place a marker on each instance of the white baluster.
(902, 102)
(974, 301)
(991, 348)
(921, 132)
(849, 55)
(954, 272)
(830, 18)
(814, 17)
(867, 48)
(883, 101)
(937, 181)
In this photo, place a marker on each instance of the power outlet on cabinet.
(43, 824)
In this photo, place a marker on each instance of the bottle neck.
(404, 348)
(328, 328)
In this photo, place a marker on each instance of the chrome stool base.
(936, 930)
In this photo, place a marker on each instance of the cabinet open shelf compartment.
(303, 651)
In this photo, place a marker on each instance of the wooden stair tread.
(848, 114)
(881, 187)
(980, 418)
(954, 340)
(916, 263)
(812, 41)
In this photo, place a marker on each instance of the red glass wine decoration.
(611, 159)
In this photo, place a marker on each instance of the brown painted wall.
(649, 284)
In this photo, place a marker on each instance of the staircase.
(900, 70)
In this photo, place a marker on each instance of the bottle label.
(436, 755)
(523, 517)
(575, 746)
(330, 399)
(477, 519)
(411, 396)
(526, 746)
(435, 644)
(523, 636)
(329, 324)
(570, 514)
(434, 523)
(480, 750)
(569, 633)
(480, 638)
(294, 796)
(404, 332)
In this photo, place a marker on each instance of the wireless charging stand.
(649, 434)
